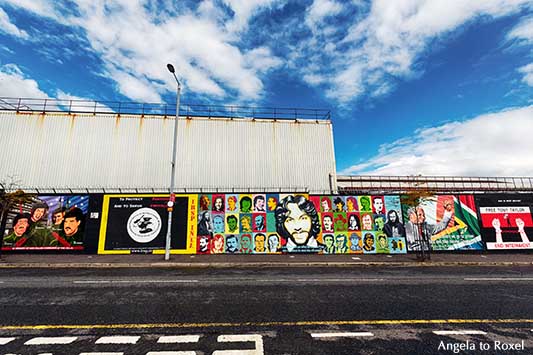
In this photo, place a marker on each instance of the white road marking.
(355, 258)
(175, 339)
(498, 279)
(50, 340)
(256, 338)
(4, 341)
(118, 339)
(343, 335)
(459, 332)
(132, 281)
(171, 353)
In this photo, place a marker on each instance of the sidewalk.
(231, 261)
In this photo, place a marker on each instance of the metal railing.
(161, 109)
(444, 184)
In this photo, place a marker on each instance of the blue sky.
(431, 87)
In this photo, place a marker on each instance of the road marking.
(101, 353)
(355, 258)
(263, 324)
(256, 338)
(171, 353)
(4, 341)
(118, 339)
(133, 281)
(459, 332)
(343, 335)
(175, 339)
(50, 340)
(498, 279)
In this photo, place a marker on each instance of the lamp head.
(171, 68)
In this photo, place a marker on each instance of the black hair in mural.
(306, 206)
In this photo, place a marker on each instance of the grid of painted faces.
(237, 224)
(360, 224)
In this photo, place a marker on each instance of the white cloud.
(495, 144)
(321, 9)
(8, 27)
(387, 43)
(13, 83)
(135, 45)
(523, 32)
(527, 70)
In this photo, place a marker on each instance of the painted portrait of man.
(297, 222)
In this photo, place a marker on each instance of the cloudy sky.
(431, 87)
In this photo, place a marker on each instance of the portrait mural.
(443, 222)
(47, 223)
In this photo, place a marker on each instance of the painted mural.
(47, 223)
(506, 221)
(278, 223)
(445, 222)
(139, 224)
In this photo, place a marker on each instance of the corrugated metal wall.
(56, 150)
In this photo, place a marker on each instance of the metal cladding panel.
(110, 151)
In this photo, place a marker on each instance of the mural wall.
(506, 221)
(445, 222)
(47, 223)
(139, 224)
(269, 224)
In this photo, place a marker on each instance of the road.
(420, 310)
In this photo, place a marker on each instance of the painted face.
(349, 204)
(328, 240)
(260, 243)
(383, 242)
(328, 223)
(57, 218)
(245, 223)
(339, 206)
(246, 205)
(365, 203)
(380, 223)
(71, 226)
(231, 203)
(232, 224)
(38, 213)
(421, 215)
(203, 244)
(245, 241)
(392, 217)
(258, 221)
(369, 242)
(218, 224)
(341, 241)
(353, 222)
(21, 227)
(273, 242)
(231, 243)
(271, 203)
(367, 222)
(218, 204)
(260, 204)
(204, 202)
(219, 242)
(297, 224)
(378, 205)
(325, 206)
(354, 239)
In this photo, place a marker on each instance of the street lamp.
(172, 198)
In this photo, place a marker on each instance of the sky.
(415, 87)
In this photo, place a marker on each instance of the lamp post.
(173, 172)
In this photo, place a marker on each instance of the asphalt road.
(276, 311)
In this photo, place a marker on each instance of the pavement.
(287, 260)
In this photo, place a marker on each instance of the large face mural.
(47, 222)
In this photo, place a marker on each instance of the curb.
(222, 265)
